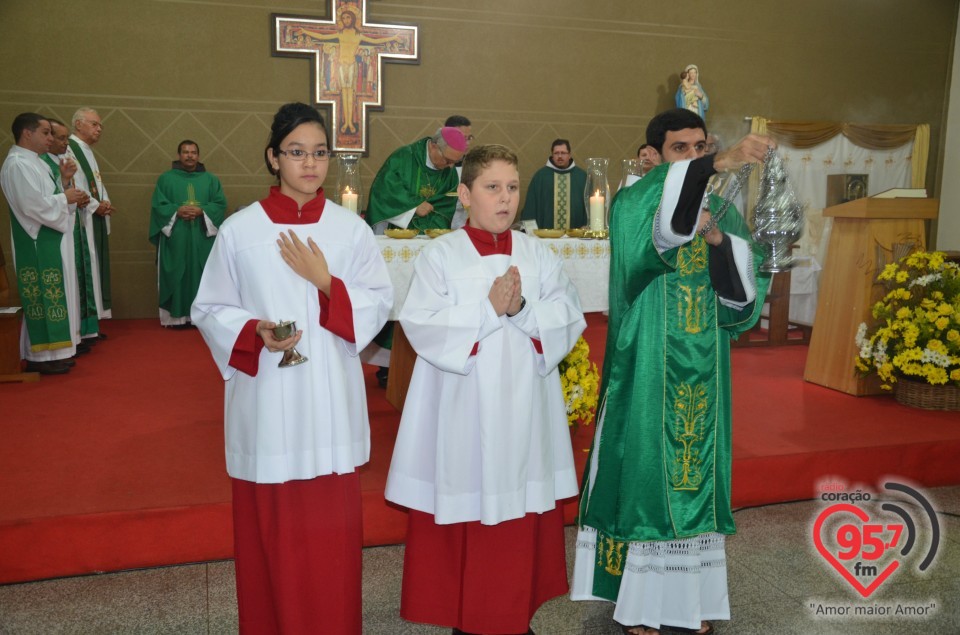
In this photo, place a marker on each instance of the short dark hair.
(26, 121)
(640, 149)
(672, 121)
(560, 142)
(188, 142)
(56, 121)
(288, 117)
(456, 121)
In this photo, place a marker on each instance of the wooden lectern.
(862, 229)
(10, 348)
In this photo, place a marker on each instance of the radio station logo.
(868, 537)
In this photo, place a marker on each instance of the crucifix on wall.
(347, 54)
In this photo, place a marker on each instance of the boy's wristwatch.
(523, 303)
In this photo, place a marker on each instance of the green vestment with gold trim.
(89, 318)
(659, 468)
(555, 198)
(182, 255)
(404, 181)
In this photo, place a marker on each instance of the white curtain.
(808, 169)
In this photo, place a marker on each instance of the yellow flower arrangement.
(917, 329)
(580, 382)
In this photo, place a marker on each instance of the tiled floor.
(775, 576)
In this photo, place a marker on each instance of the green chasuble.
(182, 256)
(89, 318)
(659, 468)
(555, 198)
(404, 181)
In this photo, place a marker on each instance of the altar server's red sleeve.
(336, 312)
(246, 350)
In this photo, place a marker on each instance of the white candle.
(597, 220)
(349, 200)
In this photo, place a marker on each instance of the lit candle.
(597, 209)
(349, 200)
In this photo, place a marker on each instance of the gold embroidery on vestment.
(692, 257)
(690, 410)
(611, 556)
(690, 304)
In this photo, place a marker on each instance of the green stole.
(561, 200)
(39, 269)
(89, 324)
(101, 239)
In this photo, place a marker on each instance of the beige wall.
(525, 72)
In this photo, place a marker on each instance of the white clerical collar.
(430, 164)
(552, 166)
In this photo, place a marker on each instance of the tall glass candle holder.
(629, 173)
(348, 192)
(596, 194)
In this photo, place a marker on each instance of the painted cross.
(347, 72)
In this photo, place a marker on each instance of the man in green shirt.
(187, 209)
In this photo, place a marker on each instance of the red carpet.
(119, 464)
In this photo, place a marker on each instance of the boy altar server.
(483, 453)
(295, 435)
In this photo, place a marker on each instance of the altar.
(586, 262)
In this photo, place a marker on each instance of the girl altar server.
(295, 435)
(483, 452)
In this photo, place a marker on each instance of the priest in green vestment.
(655, 503)
(40, 216)
(416, 186)
(555, 195)
(87, 128)
(186, 212)
(64, 168)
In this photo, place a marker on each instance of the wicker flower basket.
(920, 394)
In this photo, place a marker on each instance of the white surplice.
(485, 437)
(28, 184)
(80, 181)
(307, 420)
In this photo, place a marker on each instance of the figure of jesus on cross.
(351, 41)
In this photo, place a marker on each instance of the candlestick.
(596, 194)
(349, 200)
(597, 212)
(348, 187)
